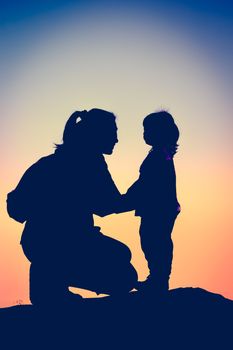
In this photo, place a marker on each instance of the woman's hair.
(162, 130)
(84, 125)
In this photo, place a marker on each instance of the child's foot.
(150, 286)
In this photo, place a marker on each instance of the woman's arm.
(20, 200)
(17, 203)
(129, 199)
(109, 200)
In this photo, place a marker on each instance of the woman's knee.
(127, 278)
(116, 249)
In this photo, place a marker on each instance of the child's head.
(161, 131)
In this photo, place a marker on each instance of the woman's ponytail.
(71, 125)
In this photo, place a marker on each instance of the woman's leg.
(105, 268)
(48, 283)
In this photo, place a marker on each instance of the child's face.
(148, 137)
(154, 134)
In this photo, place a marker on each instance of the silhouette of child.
(153, 196)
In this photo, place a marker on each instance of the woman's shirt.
(58, 195)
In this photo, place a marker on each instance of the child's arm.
(129, 199)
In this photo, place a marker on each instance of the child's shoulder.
(155, 156)
(153, 160)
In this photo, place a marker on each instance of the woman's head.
(161, 131)
(95, 130)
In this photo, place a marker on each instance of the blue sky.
(19, 10)
(210, 23)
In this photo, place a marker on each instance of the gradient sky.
(131, 58)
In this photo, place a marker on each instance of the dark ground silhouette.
(188, 318)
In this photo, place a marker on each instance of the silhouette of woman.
(57, 197)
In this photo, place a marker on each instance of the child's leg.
(157, 246)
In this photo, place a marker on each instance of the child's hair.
(162, 131)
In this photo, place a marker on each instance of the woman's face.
(103, 138)
(108, 138)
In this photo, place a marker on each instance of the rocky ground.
(187, 318)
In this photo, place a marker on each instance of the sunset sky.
(131, 58)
